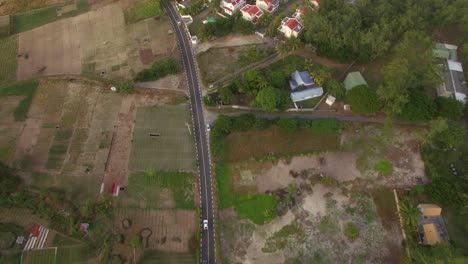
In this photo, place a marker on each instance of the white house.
(290, 27)
(251, 13)
(230, 6)
(269, 6)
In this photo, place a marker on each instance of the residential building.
(354, 79)
(290, 27)
(251, 13)
(299, 13)
(300, 79)
(304, 87)
(269, 6)
(230, 6)
(431, 227)
(330, 100)
(454, 84)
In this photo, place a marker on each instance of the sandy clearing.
(339, 165)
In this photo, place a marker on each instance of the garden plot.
(170, 230)
(65, 140)
(94, 42)
(162, 139)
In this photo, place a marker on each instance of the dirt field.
(171, 229)
(10, 7)
(94, 42)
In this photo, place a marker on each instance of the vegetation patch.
(351, 231)
(8, 52)
(258, 207)
(143, 189)
(142, 10)
(37, 17)
(383, 167)
(153, 256)
(279, 239)
(245, 137)
(159, 69)
(21, 88)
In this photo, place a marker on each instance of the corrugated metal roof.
(354, 79)
(306, 94)
(431, 237)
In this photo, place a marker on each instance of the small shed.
(430, 209)
(354, 79)
(330, 100)
(431, 236)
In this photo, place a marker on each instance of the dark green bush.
(159, 69)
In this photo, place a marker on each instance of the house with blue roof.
(303, 87)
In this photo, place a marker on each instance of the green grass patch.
(38, 17)
(383, 167)
(139, 11)
(115, 68)
(21, 88)
(73, 254)
(259, 208)
(351, 231)
(386, 207)
(5, 153)
(59, 148)
(8, 52)
(143, 189)
(457, 228)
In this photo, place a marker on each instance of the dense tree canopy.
(366, 30)
(269, 99)
(9, 181)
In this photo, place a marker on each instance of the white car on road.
(205, 224)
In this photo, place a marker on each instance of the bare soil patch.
(171, 230)
(9, 7)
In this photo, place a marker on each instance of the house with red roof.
(269, 6)
(290, 27)
(230, 6)
(299, 13)
(251, 13)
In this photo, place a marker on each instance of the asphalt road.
(207, 252)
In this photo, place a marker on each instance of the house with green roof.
(354, 79)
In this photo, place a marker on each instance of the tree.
(394, 92)
(268, 99)
(449, 108)
(135, 242)
(409, 213)
(226, 95)
(9, 182)
(446, 134)
(265, 19)
(335, 88)
(419, 108)
(363, 100)
(321, 76)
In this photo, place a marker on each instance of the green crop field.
(8, 50)
(171, 148)
(38, 17)
(40, 256)
(139, 11)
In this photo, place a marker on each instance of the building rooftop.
(306, 94)
(300, 79)
(354, 79)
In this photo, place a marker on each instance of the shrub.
(159, 69)
(351, 231)
(268, 99)
(449, 108)
(363, 100)
(336, 89)
(383, 167)
(288, 125)
(127, 87)
(328, 181)
(260, 208)
(325, 126)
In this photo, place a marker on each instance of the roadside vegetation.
(223, 26)
(160, 68)
(142, 10)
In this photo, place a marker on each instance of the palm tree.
(293, 44)
(282, 49)
(135, 242)
(409, 213)
(309, 65)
